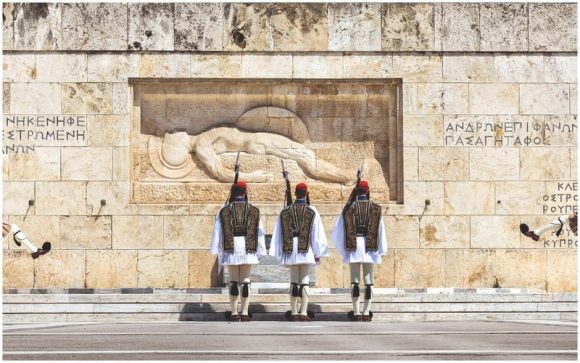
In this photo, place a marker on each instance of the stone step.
(281, 307)
(216, 316)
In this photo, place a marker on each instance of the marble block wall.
(489, 134)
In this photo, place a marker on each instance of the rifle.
(288, 196)
(359, 175)
(236, 176)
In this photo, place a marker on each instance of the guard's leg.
(294, 290)
(553, 225)
(245, 272)
(368, 277)
(355, 289)
(21, 239)
(304, 290)
(234, 272)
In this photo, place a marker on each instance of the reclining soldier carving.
(171, 155)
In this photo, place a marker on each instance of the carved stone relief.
(187, 135)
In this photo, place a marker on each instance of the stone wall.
(489, 134)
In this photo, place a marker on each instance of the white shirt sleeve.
(382, 238)
(337, 236)
(216, 238)
(261, 240)
(275, 242)
(318, 237)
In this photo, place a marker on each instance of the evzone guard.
(299, 241)
(556, 225)
(238, 240)
(360, 238)
(20, 239)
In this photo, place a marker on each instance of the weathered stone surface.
(562, 270)
(60, 269)
(367, 66)
(419, 268)
(316, 66)
(117, 195)
(247, 27)
(112, 67)
(61, 67)
(162, 269)
(18, 67)
(408, 27)
(519, 197)
(561, 68)
(544, 99)
(34, 98)
(444, 232)
(418, 68)
(42, 164)
(203, 269)
(552, 27)
(80, 232)
(518, 67)
(469, 198)
(544, 164)
(402, 231)
(514, 268)
(410, 98)
(559, 130)
(121, 98)
(457, 27)
(8, 26)
(151, 26)
(468, 68)
(87, 163)
(18, 269)
(574, 99)
(384, 273)
(417, 192)
(111, 269)
(354, 27)
(121, 163)
(37, 26)
(39, 229)
(331, 271)
(187, 232)
(216, 65)
(137, 232)
(6, 98)
(504, 26)
(15, 197)
(87, 98)
(469, 268)
(411, 163)
(440, 163)
(442, 98)
(503, 97)
(164, 65)
(494, 163)
(198, 26)
(60, 198)
(423, 130)
(298, 26)
(266, 66)
(108, 130)
(495, 232)
(93, 26)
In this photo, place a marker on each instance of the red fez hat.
(242, 185)
(363, 186)
(239, 189)
(302, 186)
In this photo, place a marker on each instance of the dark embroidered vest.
(297, 221)
(362, 219)
(240, 219)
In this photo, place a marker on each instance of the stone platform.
(271, 302)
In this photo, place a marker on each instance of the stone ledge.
(201, 27)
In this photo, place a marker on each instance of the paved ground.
(474, 340)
